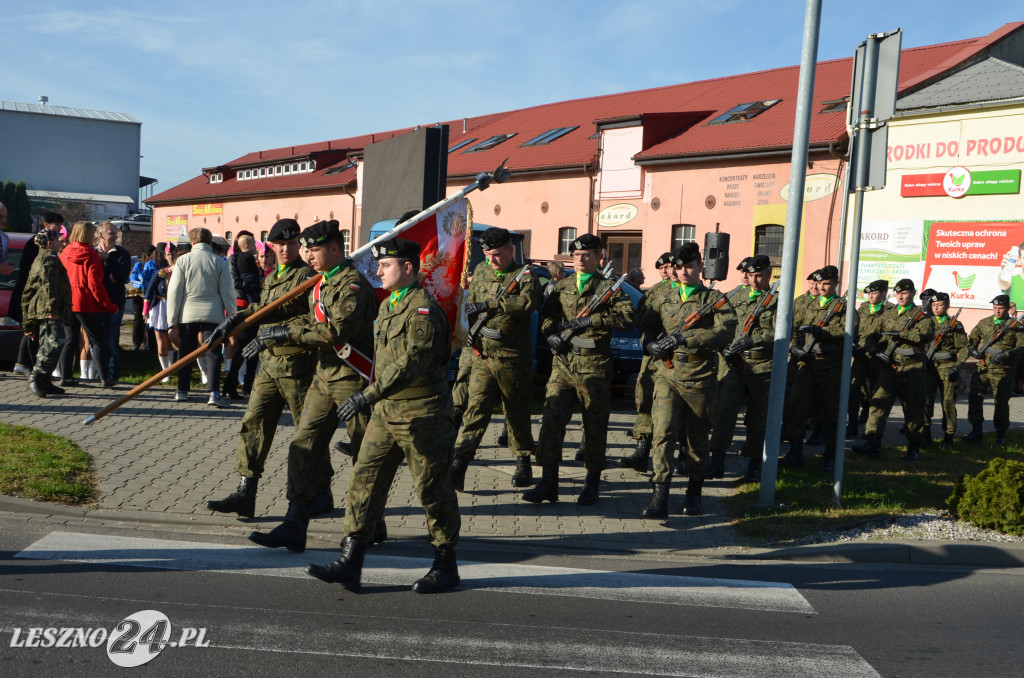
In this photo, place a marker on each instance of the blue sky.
(213, 81)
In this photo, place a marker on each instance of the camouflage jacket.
(831, 339)
(412, 345)
(869, 333)
(344, 315)
(954, 342)
(47, 292)
(803, 306)
(913, 342)
(286, 360)
(566, 302)
(510, 316)
(1011, 343)
(698, 358)
(758, 358)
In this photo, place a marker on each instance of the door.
(624, 251)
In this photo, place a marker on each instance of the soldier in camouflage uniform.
(800, 306)
(412, 419)
(581, 368)
(947, 359)
(285, 372)
(502, 370)
(818, 345)
(864, 372)
(643, 394)
(339, 327)
(684, 393)
(46, 310)
(904, 376)
(995, 370)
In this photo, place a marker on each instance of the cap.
(940, 296)
(495, 237)
(43, 237)
(665, 258)
(319, 233)
(757, 263)
(744, 262)
(685, 253)
(587, 241)
(810, 276)
(904, 285)
(1001, 300)
(221, 242)
(284, 229)
(395, 248)
(877, 286)
(929, 292)
(826, 273)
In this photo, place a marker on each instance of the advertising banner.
(177, 225)
(207, 210)
(890, 250)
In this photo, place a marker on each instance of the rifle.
(983, 349)
(930, 353)
(695, 317)
(482, 318)
(837, 305)
(595, 303)
(886, 355)
(751, 320)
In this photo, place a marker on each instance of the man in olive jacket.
(46, 310)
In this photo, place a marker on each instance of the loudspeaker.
(407, 172)
(716, 256)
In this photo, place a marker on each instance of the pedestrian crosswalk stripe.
(395, 570)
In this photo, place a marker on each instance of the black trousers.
(189, 337)
(27, 351)
(95, 326)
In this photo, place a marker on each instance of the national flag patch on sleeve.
(354, 286)
(423, 311)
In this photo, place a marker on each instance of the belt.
(756, 355)
(818, 348)
(692, 357)
(907, 352)
(285, 350)
(944, 362)
(576, 350)
(942, 355)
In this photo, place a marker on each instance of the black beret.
(685, 253)
(757, 263)
(495, 237)
(927, 293)
(319, 233)
(744, 262)
(587, 241)
(810, 276)
(877, 286)
(826, 273)
(905, 285)
(1001, 300)
(665, 258)
(284, 229)
(395, 248)
(940, 296)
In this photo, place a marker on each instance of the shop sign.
(958, 182)
(816, 186)
(208, 210)
(616, 215)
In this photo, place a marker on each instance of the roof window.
(461, 144)
(491, 143)
(339, 169)
(834, 106)
(744, 112)
(549, 136)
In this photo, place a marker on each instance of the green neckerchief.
(675, 284)
(397, 296)
(686, 290)
(941, 318)
(998, 321)
(822, 301)
(501, 274)
(874, 307)
(582, 279)
(754, 294)
(335, 270)
(280, 270)
(900, 310)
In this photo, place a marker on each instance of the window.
(216, 177)
(549, 136)
(461, 144)
(227, 235)
(683, 233)
(263, 235)
(248, 174)
(312, 165)
(565, 237)
(491, 143)
(346, 242)
(834, 106)
(295, 167)
(278, 172)
(744, 112)
(263, 171)
(287, 169)
(302, 167)
(768, 240)
(339, 169)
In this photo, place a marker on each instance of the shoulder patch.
(354, 286)
(423, 311)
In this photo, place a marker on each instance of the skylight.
(491, 143)
(461, 144)
(549, 136)
(744, 112)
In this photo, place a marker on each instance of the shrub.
(992, 499)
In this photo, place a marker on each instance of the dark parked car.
(10, 329)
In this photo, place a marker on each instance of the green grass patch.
(872, 490)
(44, 467)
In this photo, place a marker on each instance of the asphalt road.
(518, 612)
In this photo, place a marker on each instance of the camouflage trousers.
(52, 335)
(938, 380)
(309, 456)
(681, 405)
(460, 389)
(728, 404)
(816, 388)
(863, 377)
(420, 431)
(1001, 383)
(643, 427)
(490, 379)
(908, 384)
(741, 386)
(564, 389)
(267, 400)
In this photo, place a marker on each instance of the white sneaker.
(165, 380)
(21, 369)
(216, 401)
(180, 396)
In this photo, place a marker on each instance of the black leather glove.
(352, 406)
(882, 357)
(954, 375)
(267, 336)
(798, 352)
(859, 351)
(557, 344)
(810, 329)
(224, 329)
(669, 342)
(653, 349)
(576, 324)
(476, 308)
(741, 344)
(996, 357)
(974, 353)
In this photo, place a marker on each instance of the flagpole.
(480, 182)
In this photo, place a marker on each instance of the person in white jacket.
(199, 295)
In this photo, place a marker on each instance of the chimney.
(43, 100)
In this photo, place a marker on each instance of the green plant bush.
(992, 499)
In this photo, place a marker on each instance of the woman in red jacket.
(89, 302)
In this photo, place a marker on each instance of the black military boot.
(242, 501)
(658, 508)
(323, 502)
(35, 384)
(1000, 439)
(753, 474)
(975, 436)
(344, 448)
(547, 488)
(443, 574)
(589, 495)
(691, 505)
(290, 534)
(347, 570)
(871, 447)
(50, 387)
(230, 388)
(828, 460)
(913, 451)
(523, 476)
(459, 466)
(581, 453)
(503, 436)
(795, 457)
(380, 534)
(947, 441)
(681, 468)
(716, 469)
(638, 460)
